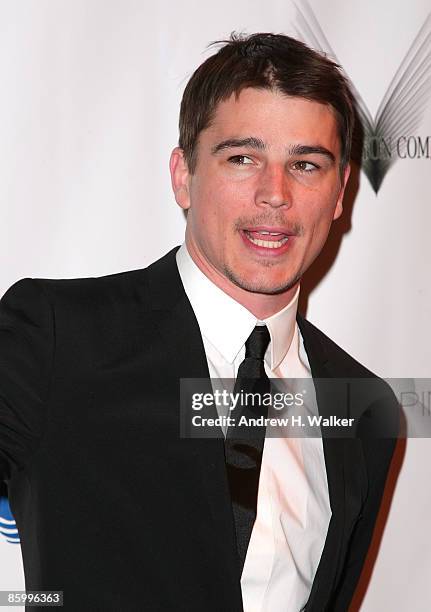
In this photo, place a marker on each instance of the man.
(113, 506)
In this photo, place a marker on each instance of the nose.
(274, 188)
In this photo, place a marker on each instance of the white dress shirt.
(293, 509)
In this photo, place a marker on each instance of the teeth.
(264, 232)
(273, 244)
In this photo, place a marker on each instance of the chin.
(260, 284)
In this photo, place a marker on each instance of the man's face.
(264, 192)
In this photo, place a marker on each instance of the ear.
(339, 205)
(180, 178)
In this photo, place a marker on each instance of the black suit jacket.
(112, 506)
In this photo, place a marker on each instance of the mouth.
(267, 240)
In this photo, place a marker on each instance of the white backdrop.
(90, 91)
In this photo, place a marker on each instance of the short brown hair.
(263, 61)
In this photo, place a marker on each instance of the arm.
(380, 422)
(26, 358)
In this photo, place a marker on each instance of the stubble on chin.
(258, 285)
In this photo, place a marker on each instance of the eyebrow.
(252, 142)
(310, 149)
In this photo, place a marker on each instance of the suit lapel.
(330, 401)
(181, 339)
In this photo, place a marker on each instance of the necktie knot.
(257, 342)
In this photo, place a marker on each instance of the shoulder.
(108, 289)
(92, 289)
(81, 311)
(338, 361)
(371, 396)
(71, 312)
(81, 297)
(31, 290)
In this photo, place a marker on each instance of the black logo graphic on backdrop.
(392, 134)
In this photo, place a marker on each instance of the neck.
(261, 305)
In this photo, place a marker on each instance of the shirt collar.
(225, 322)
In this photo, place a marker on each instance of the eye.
(240, 160)
(305, 166)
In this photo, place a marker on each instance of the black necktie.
(244, 445)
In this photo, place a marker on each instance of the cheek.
(316, 221)
(322, 228)
(319, 206)
(217, 203)
(208, 219)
